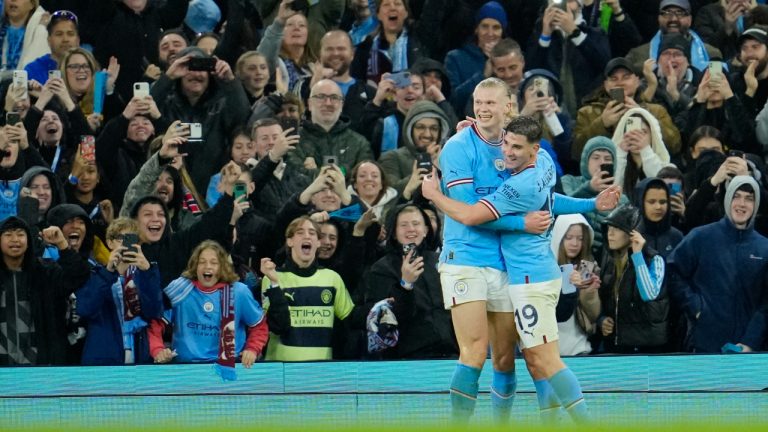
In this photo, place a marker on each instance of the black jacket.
(49, 285)
(639, 326)
(426, 330)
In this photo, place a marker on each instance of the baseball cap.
(617, 63)
(755, 33)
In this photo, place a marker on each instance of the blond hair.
(226, 269)
(121, 225)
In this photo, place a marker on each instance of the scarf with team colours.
(225, 361)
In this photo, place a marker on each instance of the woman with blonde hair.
(214, 316)
(23, 36)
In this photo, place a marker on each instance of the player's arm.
(466, 214)
(608, 199)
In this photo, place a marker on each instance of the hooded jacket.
(340, 141)
(48, 285)
(582, 308)
(398, 164)
(59, 215)
(661, 236)
(590, 124)
(654, 157)
(721, 292)
(10, 179)
(578, 187)
(425, 326)
(57, 190)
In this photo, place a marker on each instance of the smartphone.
(617, 94)
(715, 70)
(182, 148)
(607, 168)
(633, 123)
(329, 160)
(195, 131)
(20, 81)
(299, 5)
(675, 188)
(731, 153)
(587, 269)
(129, 241)
(12, 118)
(54, 74)
(541, 86)
(411, 247)
(28, 210)
(140, 89)
(239, 190)
(202, 64)
(290, 122)
(560, 4)
(424, 161)
(88, 147)
(401, 79)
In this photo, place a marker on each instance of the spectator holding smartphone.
(425, 129)
(119, 301)
(408, 274)
(597, 174)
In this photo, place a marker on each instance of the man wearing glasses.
(326, 137)
(675, 17)
(63, 35)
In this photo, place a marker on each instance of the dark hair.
(145, 200)
(62, 15)
(178, 188)
(705, 131)
(526, 126)
(670, 172)
(236, 132)
(384, 182)
(176, 31)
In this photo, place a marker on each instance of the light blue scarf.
(389, 134)
(397, 54)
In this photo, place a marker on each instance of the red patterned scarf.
(225, 362)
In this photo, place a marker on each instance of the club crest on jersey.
(326, 296)
(208, 307)
(499, 164)
(460, 288)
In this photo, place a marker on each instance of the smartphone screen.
(617, 94)
(130, 240)
(424, 161)
(12, 118)
(239, 190)
(88, 147)
(607, 168)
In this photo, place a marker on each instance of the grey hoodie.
(398, 164)
(730, 191)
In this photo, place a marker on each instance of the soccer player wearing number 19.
(534, 277)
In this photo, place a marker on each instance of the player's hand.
(536, 222)
(608, 199)
(607, 326)
(430, 185)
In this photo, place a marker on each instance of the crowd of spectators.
(192, 180)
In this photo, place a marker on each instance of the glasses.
(422, 128)
(63, 15)
(323, 97)
(76, 67)
(674, 13)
